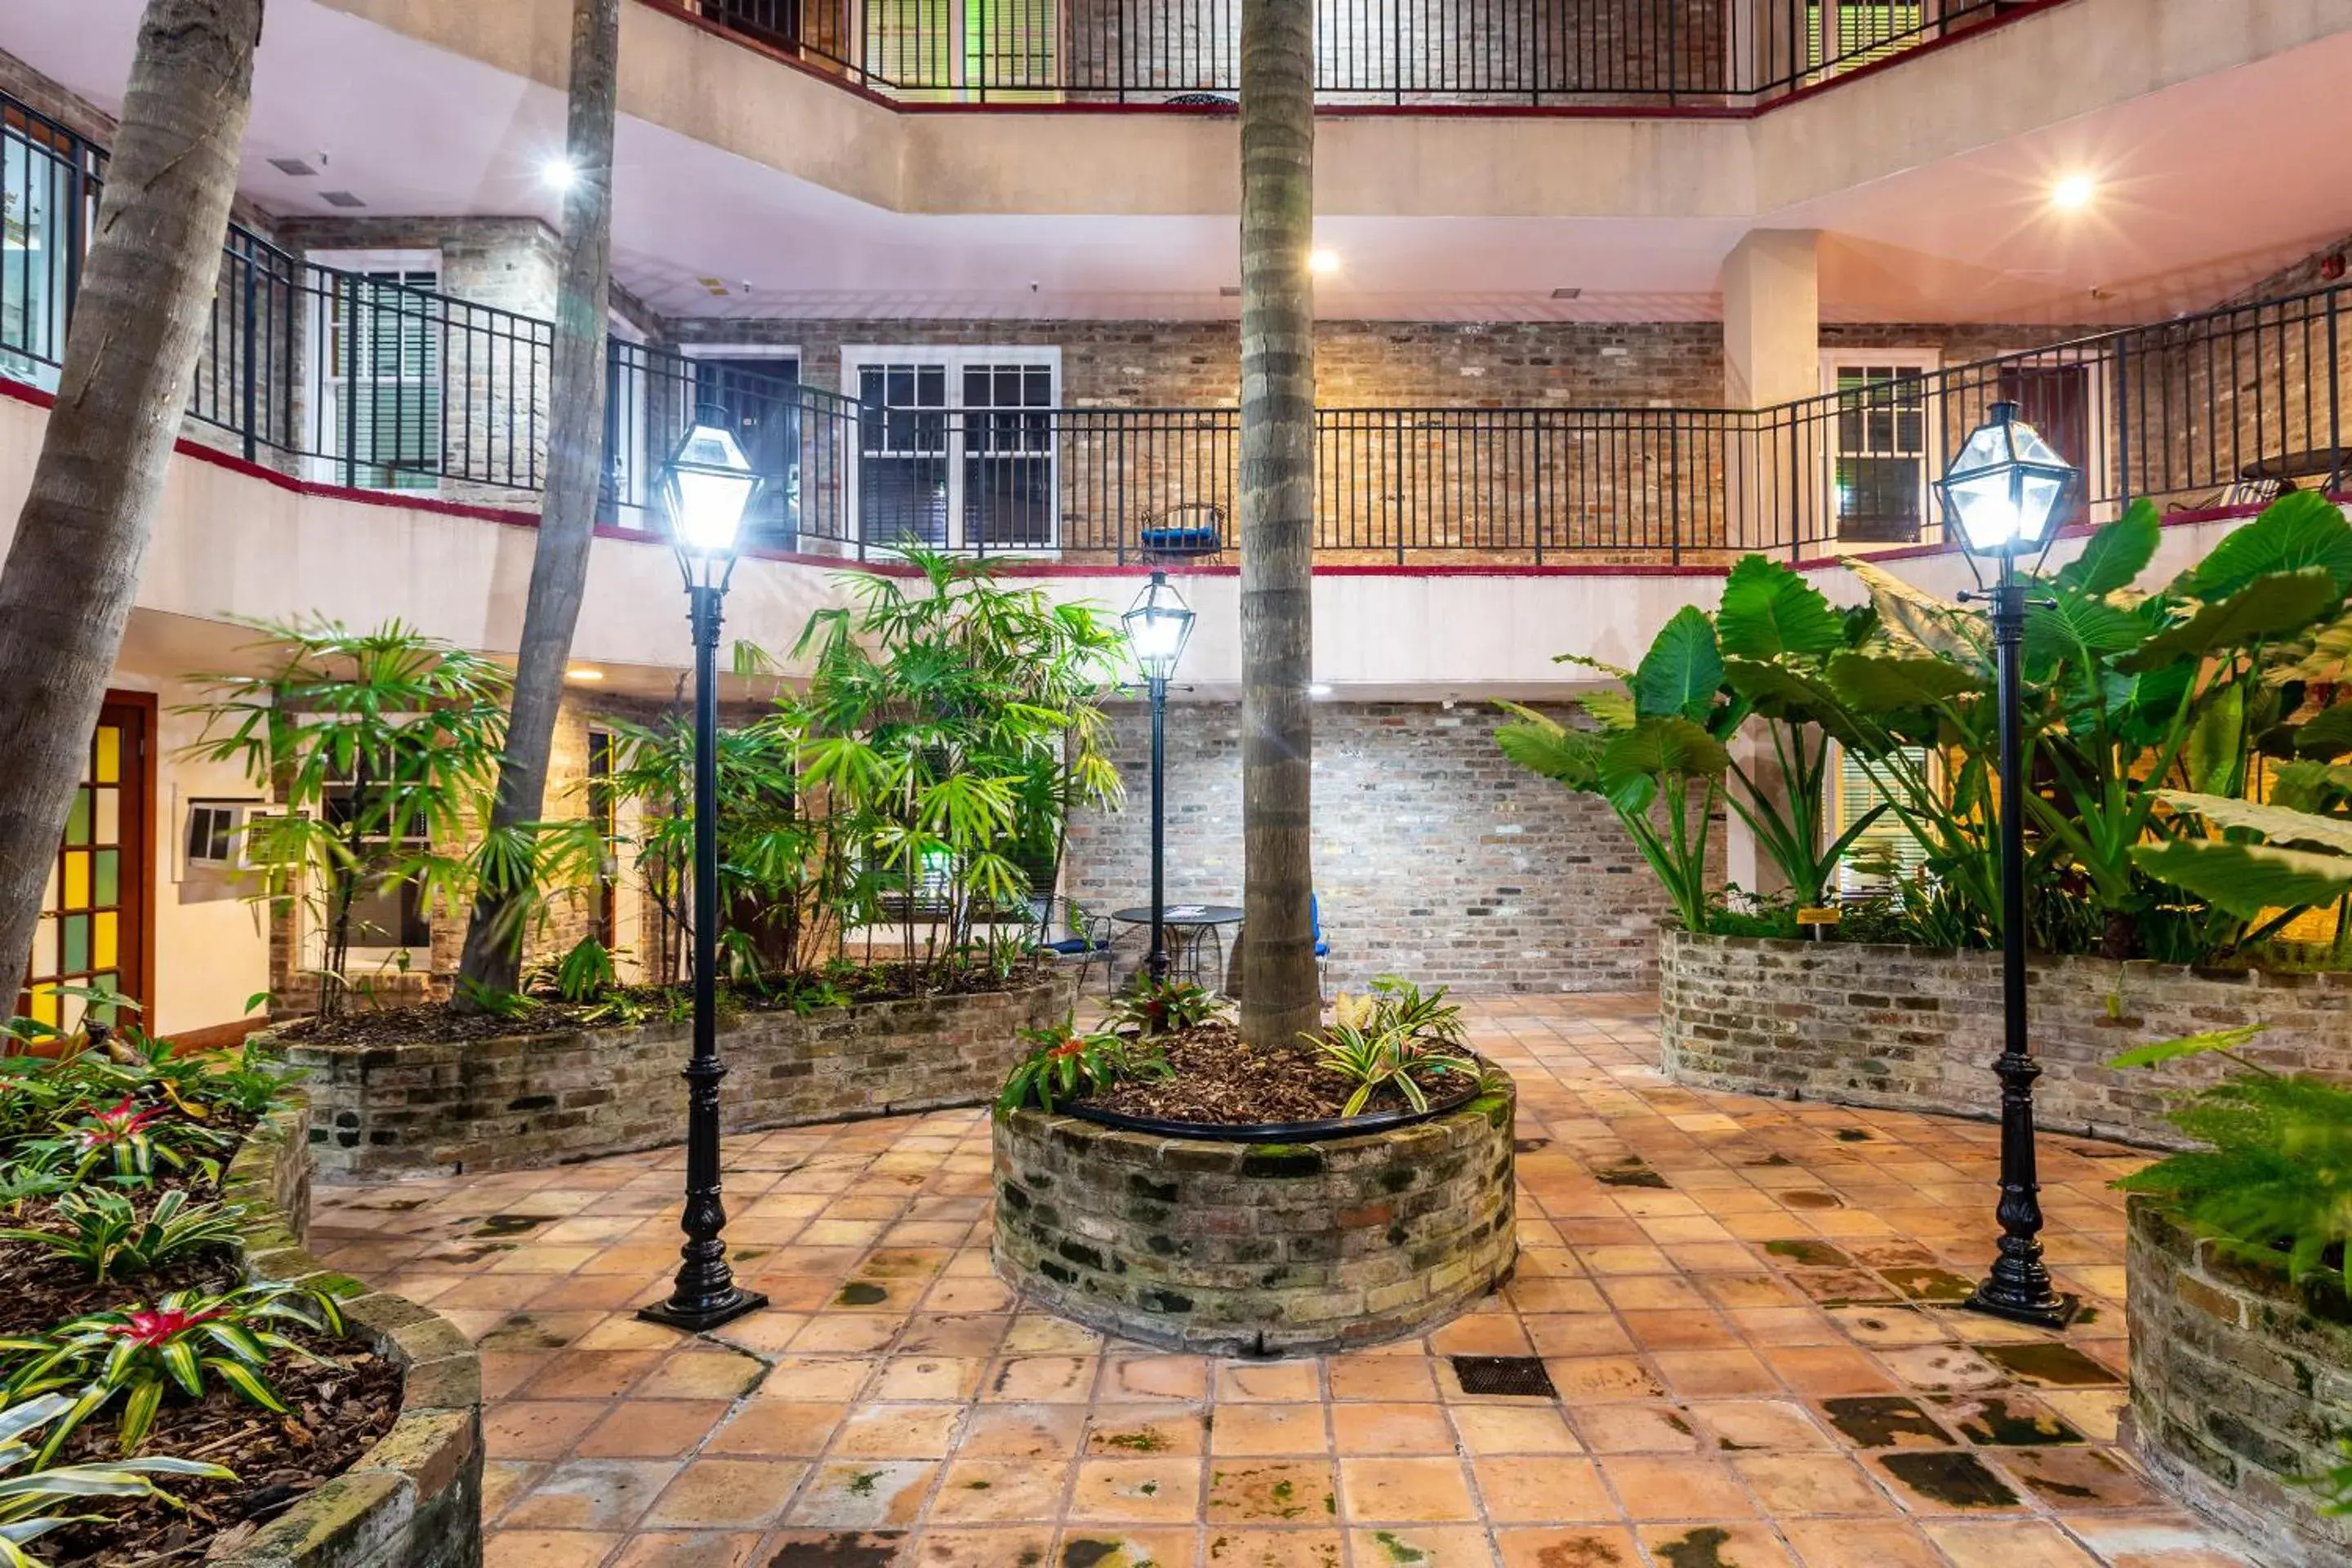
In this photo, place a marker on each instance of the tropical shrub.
(1369, 1055)
(381, 748)
(129, 1140)
(1163, 1007)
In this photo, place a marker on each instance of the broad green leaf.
(1768, 611)
(2266, 607)
(1655, 747)
(2326, 735)
(1882, 685)
(2328, 659)
(2216, 752)
(2192, 1046)
(2276, 823)
(1610, 710)
(2117, 554)
(2080, 629)
(2300, 532)
(1543, 745)
(1911, 618)
(2245, 879)
(2308, 786)
(1680, 675)
(1776, 691)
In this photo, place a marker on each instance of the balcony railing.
(1541, 54)
(363, 381)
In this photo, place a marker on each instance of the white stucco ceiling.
(2205, 187)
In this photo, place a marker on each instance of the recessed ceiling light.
(1568, 293)
(584, 674)
(559, 174)
(2074, 192)
(1323, 263)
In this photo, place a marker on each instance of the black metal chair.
(1189, 531)
(1074, 936)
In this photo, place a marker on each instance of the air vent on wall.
(1230, 292)
(294, 166)
(341, 199)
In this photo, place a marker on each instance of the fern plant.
(37, 1501)
(2273, 1183)
(140, 1354)
(111, 1237)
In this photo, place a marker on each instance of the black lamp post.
(2003, 496)
(1158, 624)
(707, 487)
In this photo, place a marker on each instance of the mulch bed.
(1222, 1081)
(439, 1023)
(339, 1407)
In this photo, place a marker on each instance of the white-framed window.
(1887, 846)
(957, 448)
(377, 375)
(1882, 446)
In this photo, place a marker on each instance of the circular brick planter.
(1257, 1248)
(2240, 1382)
(414, 1500)
(1916, 1028)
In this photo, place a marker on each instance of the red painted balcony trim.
(677, 11)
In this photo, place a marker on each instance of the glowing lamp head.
(2005, 492)
(559, 174)
(708, 485)
(1159, 624)
(1323, 263)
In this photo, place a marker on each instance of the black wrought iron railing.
(1402, 53)
(372, 380)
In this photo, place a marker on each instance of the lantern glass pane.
(1986, 509)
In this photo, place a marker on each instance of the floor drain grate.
(1520, 1376)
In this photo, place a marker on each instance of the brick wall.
(1435, 858)
(1243, 1250)
(1917, 1029)
(510, 1104)
(2240, 1385)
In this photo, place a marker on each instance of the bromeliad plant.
(1394, 1034)
(130, 1140)
(1164, 1007)
(109, 1236)
(140, 1355)
(33, 1500)
(1073, 1065)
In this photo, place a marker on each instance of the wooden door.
(2056, 399)
(97, 912)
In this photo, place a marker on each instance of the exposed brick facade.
(1915, 1028)
(1436, 856)
(2241, 1384)
(536, 1100)
(1274, 1248)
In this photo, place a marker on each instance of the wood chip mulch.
(1220, 1082)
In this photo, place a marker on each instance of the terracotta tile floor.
(1741, 1305)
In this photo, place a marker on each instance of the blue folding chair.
(1085, 939)
(1322, 947)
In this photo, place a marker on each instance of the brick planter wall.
(414, 1500)
(536, 1100)
(1241, 1248)
(2239, 1383)
(1914, 1029)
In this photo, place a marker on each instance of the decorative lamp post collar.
(2005, 492)
(707, 489)
(1159, 624)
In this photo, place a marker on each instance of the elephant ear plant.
(1655, 754)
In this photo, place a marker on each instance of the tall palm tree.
(1280, 995)
(72, 569)
(567, 515)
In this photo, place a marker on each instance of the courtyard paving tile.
(1744, 1308)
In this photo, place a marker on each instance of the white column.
(1772, 318)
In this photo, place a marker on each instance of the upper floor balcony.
(1665, 55)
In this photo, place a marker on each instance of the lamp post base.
(2048, 1310)
(707, 1315)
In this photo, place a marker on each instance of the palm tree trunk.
(1282, 997)
(73, 567)
(492, 961)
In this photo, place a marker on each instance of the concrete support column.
(1772, 318)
